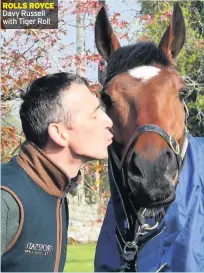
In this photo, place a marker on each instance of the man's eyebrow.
(100, 104)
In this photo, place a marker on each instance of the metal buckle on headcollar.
(174, 145)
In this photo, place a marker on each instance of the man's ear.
(59, 134)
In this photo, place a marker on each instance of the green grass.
(80, 258)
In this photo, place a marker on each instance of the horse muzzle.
(152, 183)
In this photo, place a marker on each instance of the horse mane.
(131, 56)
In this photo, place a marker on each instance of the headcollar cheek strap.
(184, 145)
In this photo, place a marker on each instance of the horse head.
(143, 97)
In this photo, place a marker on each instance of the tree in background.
(190, 62)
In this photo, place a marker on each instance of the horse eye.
(183, 94)
(106, 99)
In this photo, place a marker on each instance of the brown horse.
(143, 96)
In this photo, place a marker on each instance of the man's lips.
(110, 140)
(110, 136)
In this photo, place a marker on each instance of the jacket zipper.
(60, 201)
(59, 234)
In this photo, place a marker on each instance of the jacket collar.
(43, 171)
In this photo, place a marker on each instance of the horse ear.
(174, 37)
(105, 39)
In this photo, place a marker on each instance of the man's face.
(88, 131)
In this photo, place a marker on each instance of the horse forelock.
(132, 56)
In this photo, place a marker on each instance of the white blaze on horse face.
(145, 72)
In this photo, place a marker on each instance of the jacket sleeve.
(10, 215)
(107, 257)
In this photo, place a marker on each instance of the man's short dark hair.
(42, 105)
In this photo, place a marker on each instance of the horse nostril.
(171, 164)
(133, 168)
(168, 156)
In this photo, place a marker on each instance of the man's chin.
(103, 156)
(97, 156)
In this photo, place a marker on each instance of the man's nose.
(109, 122)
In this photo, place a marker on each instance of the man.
(64, 127)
